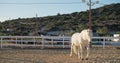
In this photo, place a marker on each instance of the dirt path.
(98, 55)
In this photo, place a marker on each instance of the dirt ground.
(97, 55)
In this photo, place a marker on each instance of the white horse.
(79, 41)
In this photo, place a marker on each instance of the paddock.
(18, 55)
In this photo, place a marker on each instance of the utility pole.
(36, 29)
(90, 22)
(90, 4)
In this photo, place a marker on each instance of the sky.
(13, 9)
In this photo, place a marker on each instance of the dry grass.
(98, 55)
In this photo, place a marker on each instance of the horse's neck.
(83, 35)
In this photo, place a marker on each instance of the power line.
(39, 3)
(46, 3)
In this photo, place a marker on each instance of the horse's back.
(80, 38)
(76, 38)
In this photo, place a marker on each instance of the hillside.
(105, 19)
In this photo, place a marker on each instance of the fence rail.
(52, 41)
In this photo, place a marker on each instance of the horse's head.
(89, 34)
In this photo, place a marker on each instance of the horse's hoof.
(86, 58)
(82, 58)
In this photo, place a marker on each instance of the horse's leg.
(78, 52)
(81, 52)
(88, 52)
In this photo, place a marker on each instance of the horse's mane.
(84, 33)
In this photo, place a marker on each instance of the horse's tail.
(75, 49)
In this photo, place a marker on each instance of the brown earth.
(97, 55)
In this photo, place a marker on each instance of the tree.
(102, 31)
(80, 27)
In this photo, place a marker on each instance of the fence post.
(1, 42)
(42, 42)
(63, 42)
(52, 42)
(16, 40)
(34, 40)
(103, 43)
(21, 44)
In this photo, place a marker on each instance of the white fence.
(51, 41)
(41, 41)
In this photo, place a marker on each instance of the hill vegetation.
(105, 21)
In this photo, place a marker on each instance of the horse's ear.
(89, 30)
